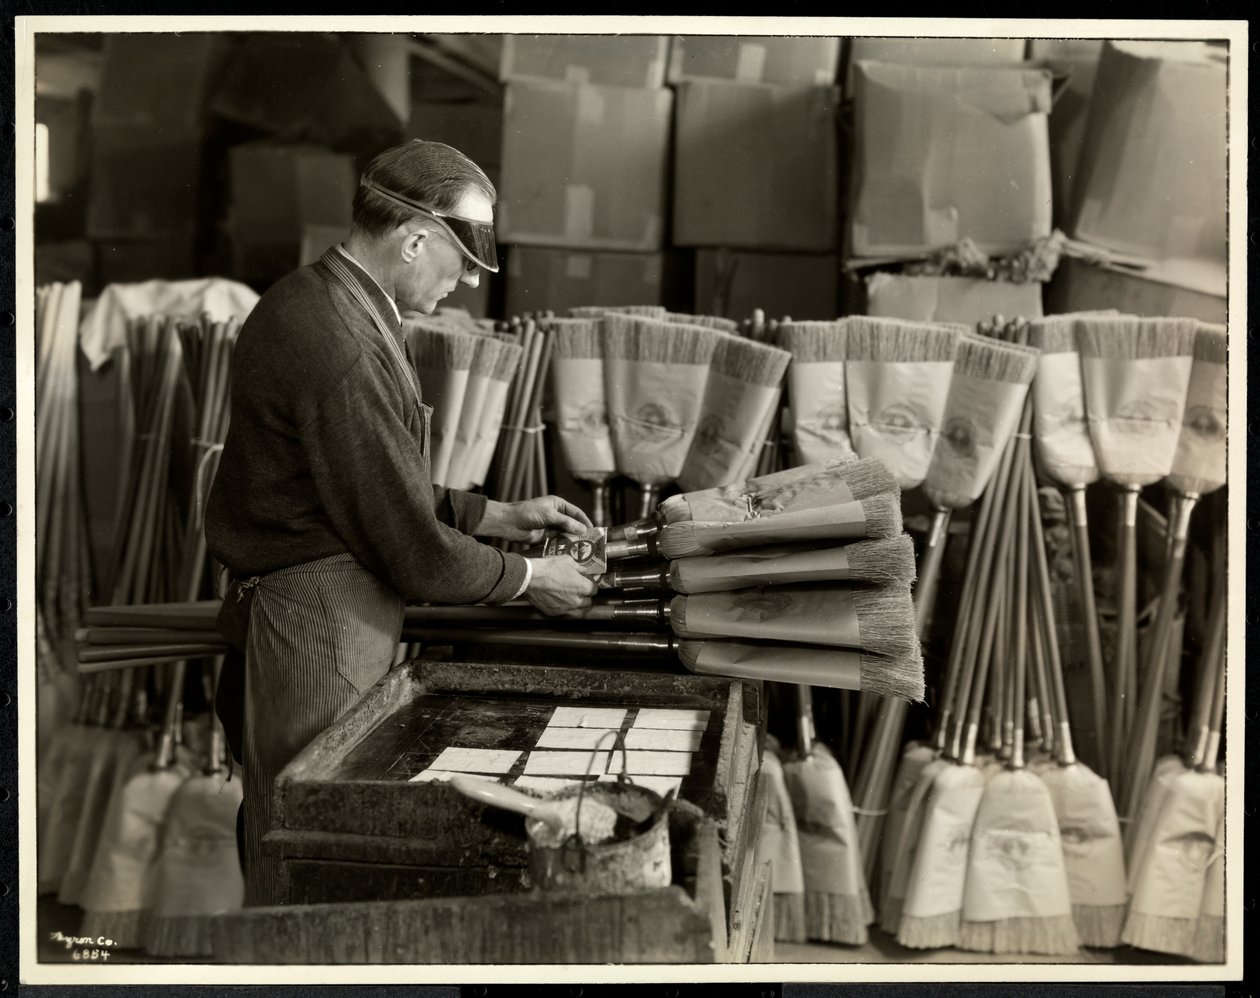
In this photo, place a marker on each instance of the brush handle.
(637, 643)
(1142, 758)
(1078, 519)
(649, 494)
(1043, 604)
(804, 720)
(647, 527)
(1126, 607)
(930, 570)
(599, 504)
(1200, 724)
(655, 578)
(497, 795)
(1019, 638)
(1217, 723)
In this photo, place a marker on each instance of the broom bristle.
(885, 620)
(1159, 933)
(883, 515)
(678, 540)
(675, 509)
(1053, 936)
(890, 340)
(718, 322)
(633, 337)
(576, 339)
(506, 362)
(885, 562)
(485, 356)
(1211, 343)
(441, 349)
(126, 928)
(678, 616)
(890, 914)
(1128, 338)
(1099, 925)
(750, 362)
(1053, 334)
(184, 935)
(867, 477)
(789, 918)
(929, 932)
(689, 652)
(900, 677)
(1209, 940)
(994, 360)
(815, 342)
(599, 311)
(835, 918)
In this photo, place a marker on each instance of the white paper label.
(1062, 433)
(653, 408)
(663, 740)
(546, 763)
(816, 393)
(732, 414)
(979, 419)
(582, 416)
(554, 737)
(936, 883)
(673, 719)
(895, 413)
(588, 717)
(473, 760)
(1201, 444)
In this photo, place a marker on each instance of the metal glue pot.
(635, 858)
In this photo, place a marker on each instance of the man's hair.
(431, 172)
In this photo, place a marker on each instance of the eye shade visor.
(474, 238)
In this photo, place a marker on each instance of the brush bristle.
(486, 356)
(675, 509)
(886, 562)
(678, 616)
(1160, 933)
(576, 339)
(185, 935)
(929, 931)
(815, 342)
(441, 349)
(678, 540)
(633, 337)
(1211, 343)
(1053, 334)
(891, 340)
(789, 918)
(900, 677)
(1051, 936)
(993, 360)
(835, 918)
(885, 620)
(883, 516)
(506, 362)
(1099, 925)
(1128, 338)
(750, 362)
(718, 322)
(689, 652)
(126, 928)
(599, 311)
(867, 477)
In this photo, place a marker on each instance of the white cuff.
(529, 577)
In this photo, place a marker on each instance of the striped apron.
(320, 635)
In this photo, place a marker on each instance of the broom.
(599, 311)
(741, 390)
(1093, 849)
(1198, 467)
(780, 842)
(986, 396)
(1135, 374)
(655, 375)
(577, 386)
(442, 358)
(837, 906)
(718, 322)
(1066, 455)
(1209, 936)
(490, 429)
(1016, 894)
(198, 872)
(816, 382)
(484, 354)
(1171, 879)
(885, 562)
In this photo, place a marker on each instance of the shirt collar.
(392, 304)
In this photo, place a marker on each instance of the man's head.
(427, 212)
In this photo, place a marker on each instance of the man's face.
(439, 267)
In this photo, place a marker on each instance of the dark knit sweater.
(327, 452)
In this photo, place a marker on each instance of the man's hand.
(532, 519)
(558, 586)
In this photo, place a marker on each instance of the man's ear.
(413, 239)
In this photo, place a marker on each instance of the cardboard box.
(756, 167)
(932, 51)
(754, 59)
(950, 299)
(1151, 178)
(276, 192)
(803, 286)
(159, 80)
(1051, 49)
(943, 153)
(560, 279)
(1068, 119)
(305, 87)
(584, 166)
(144, 183)
(474, 128)
(608, 60)
(1078, 286)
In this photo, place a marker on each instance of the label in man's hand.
(589, 549)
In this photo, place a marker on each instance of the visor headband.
(482, 233)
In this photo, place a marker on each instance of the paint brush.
(655, 375)
(577, 385)
(816, 389)
(742, 388)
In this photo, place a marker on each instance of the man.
(323, 510)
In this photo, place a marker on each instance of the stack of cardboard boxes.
(1148, 193)
(756, 172)
(950, 141)
(585, 170)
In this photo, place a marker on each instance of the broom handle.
(1020, 637)
(1200, 725)
(1212, 753)
(1159, 649)
(1042, 710)
(1045, 617)
(1078, 519)
(1125, 624)
(649, 495)
(804, 720)
(599, 504)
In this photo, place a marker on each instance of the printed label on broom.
(589, 550)
(662, 717)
